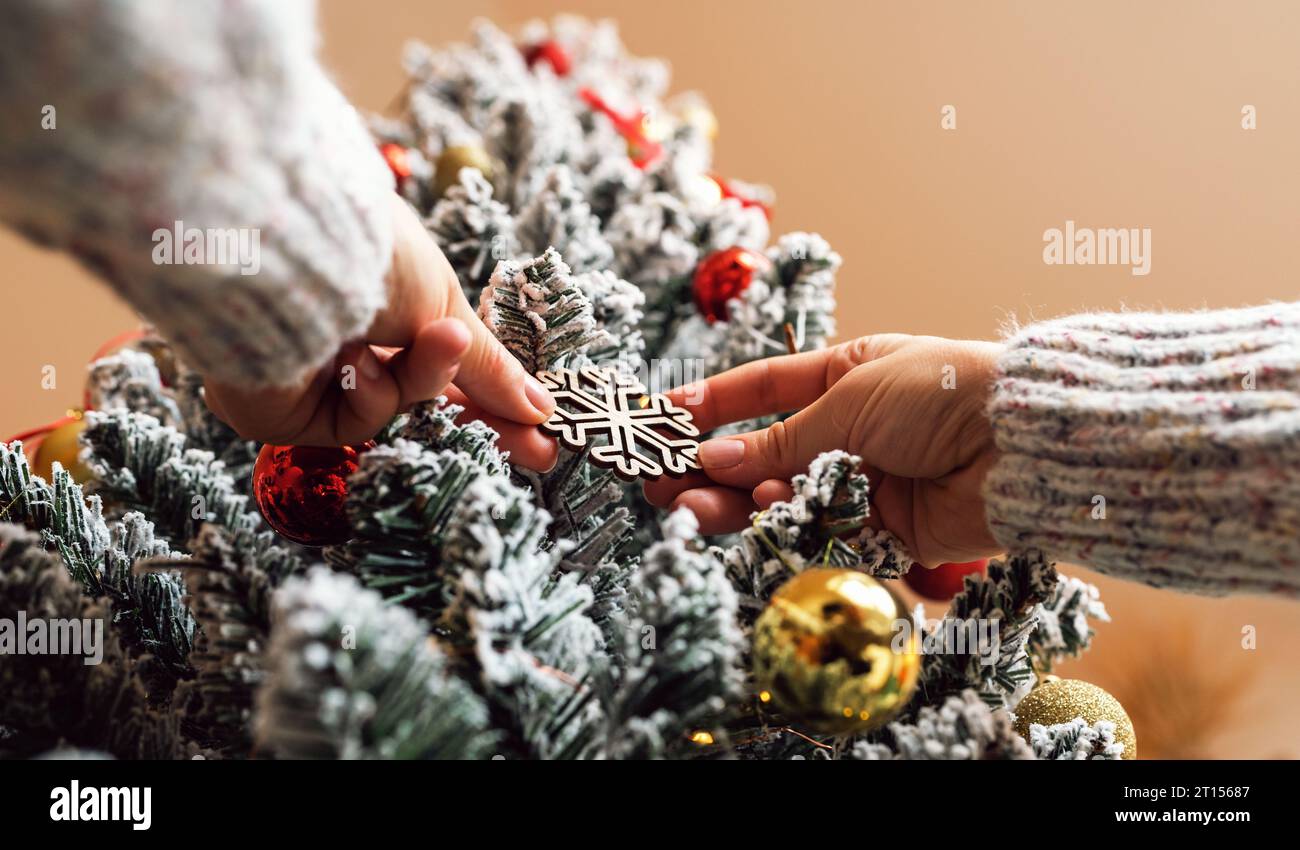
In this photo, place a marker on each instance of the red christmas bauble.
(944, 581)
(550, 51)
(397, 158)
(723, 275)
(300, 490)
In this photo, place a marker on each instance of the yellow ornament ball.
(1062, 700)
(62, 444)
(696, 113)
(446, 171)
(825, 654)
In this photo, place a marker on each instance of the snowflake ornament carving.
(647, 435)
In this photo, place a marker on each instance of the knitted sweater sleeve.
(1159, 448)
(211, 121)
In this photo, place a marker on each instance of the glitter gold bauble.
(446, 172)
(829, 655)
(64, 445)
(1062, 700)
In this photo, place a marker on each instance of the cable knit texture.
(1187, 425)
(215, 114)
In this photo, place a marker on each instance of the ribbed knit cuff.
(1159, 448)
(323, 214)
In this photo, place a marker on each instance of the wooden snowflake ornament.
(647, 435)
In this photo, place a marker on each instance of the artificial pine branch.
(351, 677)
(729, 223)
(545, 318)
(231, 601)
(129, 380)
(1076, 740)
(53, 686)
(962, 728)
(526, 623)
(524, 145)
(538, 312)
(681, 650)
(435, 124)
(559, 217)
(473, 230)
(149, 611)
(1064, 630)
(433, 425)
(829, 502)
(143, 465)
(577, 497)
(654, 248)
(1010, 594)
(612, 183)
(172, 393)
(402, 503)
(572, 493)
(797, 291)
(883, 554)
(109, 706)
(150, 608)
(617, 307)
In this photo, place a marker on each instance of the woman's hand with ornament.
(913, 408)
(424, 339)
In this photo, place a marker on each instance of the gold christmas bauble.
(829, 652)
(62, 444)
(446, 171)
(1062, 700)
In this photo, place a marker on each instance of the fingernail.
(720, 454)
(538, 396)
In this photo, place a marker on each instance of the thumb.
(422, 288)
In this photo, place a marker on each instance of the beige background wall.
(1113, 114)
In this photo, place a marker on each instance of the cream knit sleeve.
(123, 118)
(1159, 448)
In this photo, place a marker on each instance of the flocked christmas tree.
(477, 609)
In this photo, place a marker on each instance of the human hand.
(925, 448)
(425, 337)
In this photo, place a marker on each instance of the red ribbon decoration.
(642, 149)
(728, 192)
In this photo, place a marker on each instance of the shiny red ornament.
(724, 275)
(550, 51)
(728, 191)
(398, 160)
(300, 490)
(642, 149)
(944, 581)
